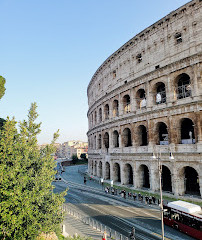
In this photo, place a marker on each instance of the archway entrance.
(166, 179)
(128, 172)
(107, 171)
(191, 181)
(95, 168)
(100, 169)
(144, 177)
(117, 173)
(127, 139)
(162, 134)
(142, 133)
(187, 131)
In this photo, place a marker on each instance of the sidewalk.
(74, 226)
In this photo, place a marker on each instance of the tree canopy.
(28, 205)
(2, 87)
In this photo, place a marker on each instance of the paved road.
(113, 211)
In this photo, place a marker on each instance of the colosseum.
(145, 108)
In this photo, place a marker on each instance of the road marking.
(158, 235)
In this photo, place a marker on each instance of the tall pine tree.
(28, 205)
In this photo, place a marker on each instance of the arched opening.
(127, 139)
(92, 167)
(95, 142)
(106, 111)
(100, 169)
(160, 93)
(107, 171)
(162, 134)
(142, 135)
(166, 179)
(92, 120)
(191, 180)
(100, 115)
(183, 86)
(115, 108)
(187, 131)
(141, 98)
(95, 168)
(126, 104)
(117, 173)
(115, 139)
(128, 172)
(106, 140)
(95, 117)
(99, 141)
(144, 176)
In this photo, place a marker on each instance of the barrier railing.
(111, 234)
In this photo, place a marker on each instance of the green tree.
(28, 205)
(83, 156)
(2, 87)
(74, 159)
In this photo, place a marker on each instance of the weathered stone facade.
(146, 100)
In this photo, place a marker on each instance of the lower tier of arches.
(178, 178)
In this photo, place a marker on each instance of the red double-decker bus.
(185, 217)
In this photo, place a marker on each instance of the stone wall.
(150, 92)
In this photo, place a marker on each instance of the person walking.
(132, 234)
(84, 180)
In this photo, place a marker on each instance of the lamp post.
(160, 185)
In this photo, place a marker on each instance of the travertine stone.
(154, 59)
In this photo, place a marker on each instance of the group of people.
(148, 199)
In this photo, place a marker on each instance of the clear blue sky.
(51, 48)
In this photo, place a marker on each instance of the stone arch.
(126, 104)
(95, 142)
(100, 169)
(161, 134)
(116, 172)
(115, 139)
(166, 179)
(144, 176)
(128, 174)
(106, 140)
(99, 141)
(187, 131)
(106, 111)
(115, 108)
(107, 171)
(95, 168)
(141, 98)
(190, 179)
(127, 137)
(95, 118)
(91, 167)
(160, 93)
(100, 115)
(183, 86)
(142, 138)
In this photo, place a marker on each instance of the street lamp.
(160, 186)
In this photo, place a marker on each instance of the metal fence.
(111, 234)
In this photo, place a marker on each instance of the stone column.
(121, 170)
(154, 175)
(149, 96)
(171, 94)
(120, 105)
(195, 80)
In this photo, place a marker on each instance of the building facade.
(145, 103)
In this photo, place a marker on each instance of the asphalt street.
(113, 211)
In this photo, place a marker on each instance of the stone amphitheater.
(145, 108)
